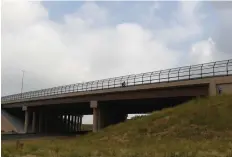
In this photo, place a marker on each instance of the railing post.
(151, 75)
(82, 86)
(213, 68)
(41, 93)
(114, 82)
(52, 90)
(121, 80)
(91, 88)
(127, 79)
(190, 71)
(69, 88)
(108, 83)
(62, 89)
(74, 87)
(142, 77)
(227, 67)
(78, 86)
(159, 74)
(87, 86)
(97, 84)
(201, 70)
(168, 74)
(102, 83)
(47, 93)
(134, 79)
(179, 74)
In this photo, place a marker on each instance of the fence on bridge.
(212, 69)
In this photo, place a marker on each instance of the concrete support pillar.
(26, 120)
(80, 122)
(70, 126)
(77, 126)
(69, 123)
(94, 106)
(104, 116)
(74, 123)
(212, 88)
(66, 123)
(61, 123)
(95, 120)
(40, 121)
(46, 122)
(33, 121)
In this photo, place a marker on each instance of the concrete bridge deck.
(110, 100)
(165, 89)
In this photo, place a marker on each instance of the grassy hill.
(201, 127)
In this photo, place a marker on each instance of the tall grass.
(198, 128)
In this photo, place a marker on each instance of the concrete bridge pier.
(29, 120)
(26, 119)
(73, 123)
(33, 122)
(69, 123)
(104, 116)
(79, 122)
(65, 122)
(76, 123)
(40, 122)
(212, 88)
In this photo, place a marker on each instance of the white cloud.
(223, 32)
(203, 51)
(184, 25)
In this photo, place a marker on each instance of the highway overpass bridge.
(60, 109)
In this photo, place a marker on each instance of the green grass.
(198, 128)
(87, 127)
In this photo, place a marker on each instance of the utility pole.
(22, 83)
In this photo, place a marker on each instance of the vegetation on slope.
(201, 127)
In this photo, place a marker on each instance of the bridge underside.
(67, 118)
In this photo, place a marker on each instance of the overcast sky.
(60, 43)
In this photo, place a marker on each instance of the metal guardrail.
(218, 68)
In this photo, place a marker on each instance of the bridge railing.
(219, 68)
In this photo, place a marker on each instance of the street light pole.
(22, 82)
